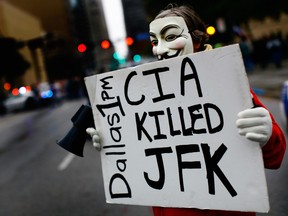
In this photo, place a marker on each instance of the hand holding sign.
(255, 124)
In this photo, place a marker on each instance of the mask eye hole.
(171, 38)
(154, 42)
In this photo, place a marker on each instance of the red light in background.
(105, 44)
(28, 88)
(82, 48)
(129, 41)
(7, 86)
(15, 92)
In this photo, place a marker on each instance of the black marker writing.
(187, 119)
(184, 77)
(211, 163)
(156, 72)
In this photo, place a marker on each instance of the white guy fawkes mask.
(170, 37)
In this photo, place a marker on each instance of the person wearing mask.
(177, 31)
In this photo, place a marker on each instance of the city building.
(76, 22)
(53, 15)
(93, 30)
(137, 26)
(269, 26)
(23, 26)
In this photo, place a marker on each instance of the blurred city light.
(15, 92)
(210, 30)
(47, 94)
(28, 88)
(129, 41)
(22, 90)
(119, 58)
(105, 44)
(82, 48)
(115, 55)
(7, 86)
(137, 58)
(221, 25)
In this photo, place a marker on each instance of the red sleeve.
(274, 150)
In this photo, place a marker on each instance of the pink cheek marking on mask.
(179, 44)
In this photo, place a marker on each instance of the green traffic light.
(137, 58)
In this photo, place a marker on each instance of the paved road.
(269, 82)
(39, 178)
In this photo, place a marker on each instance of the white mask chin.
(170, 37)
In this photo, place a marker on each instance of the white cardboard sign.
(169, 135)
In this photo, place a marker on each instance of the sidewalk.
(269, 82)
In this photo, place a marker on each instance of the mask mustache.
(166, 56)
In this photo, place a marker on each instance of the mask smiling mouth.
(166, 56)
